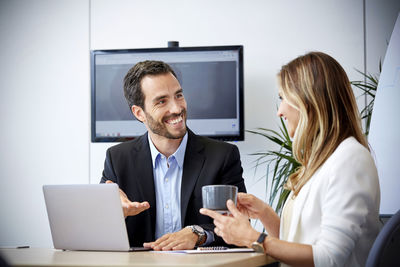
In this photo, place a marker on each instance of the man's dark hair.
(132, 81)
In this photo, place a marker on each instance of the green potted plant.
(280, 163)
(368, 86)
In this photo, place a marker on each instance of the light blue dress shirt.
(167, 174)
(167, 181)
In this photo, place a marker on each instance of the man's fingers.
(164, 244)
(180, 246)
(161, 239)
(148, 244)
(174, 245)
(145, 205)
(130, 208)
(169, 244)
(139, 205)
(134, 208)
(183, 239)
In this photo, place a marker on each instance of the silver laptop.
(86, 217)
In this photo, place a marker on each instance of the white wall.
(44, 107)
(44, 97)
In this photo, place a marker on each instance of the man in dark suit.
(160, 174)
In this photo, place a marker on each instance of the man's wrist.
(199, 232)
(201, 240)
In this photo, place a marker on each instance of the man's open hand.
(130, 208)
(183, 239)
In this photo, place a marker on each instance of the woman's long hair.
(318, 86)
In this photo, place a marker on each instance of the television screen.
(211, 79)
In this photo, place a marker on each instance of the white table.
(52, 257)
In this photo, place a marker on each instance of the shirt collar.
(179, 154)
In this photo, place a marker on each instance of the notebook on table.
(86, 217)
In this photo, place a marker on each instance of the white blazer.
(337, 210)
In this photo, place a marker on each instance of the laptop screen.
(86, 217)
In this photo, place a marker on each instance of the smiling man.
(160, 174)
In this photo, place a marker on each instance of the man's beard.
(160, 128)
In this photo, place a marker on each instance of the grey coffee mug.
(215, 196)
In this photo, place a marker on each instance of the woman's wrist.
(267, 242)
(253, 236)
(264, 214)
(271, 221)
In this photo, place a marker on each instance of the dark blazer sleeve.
(214, 162)
(129, 165)
(232, 171)
(108, 172)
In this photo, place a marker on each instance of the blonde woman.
(331, 215)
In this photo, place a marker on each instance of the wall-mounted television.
(211, 79)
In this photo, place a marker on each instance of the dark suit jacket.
(206, 162)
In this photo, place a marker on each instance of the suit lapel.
(144, 176)
(193, 163)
